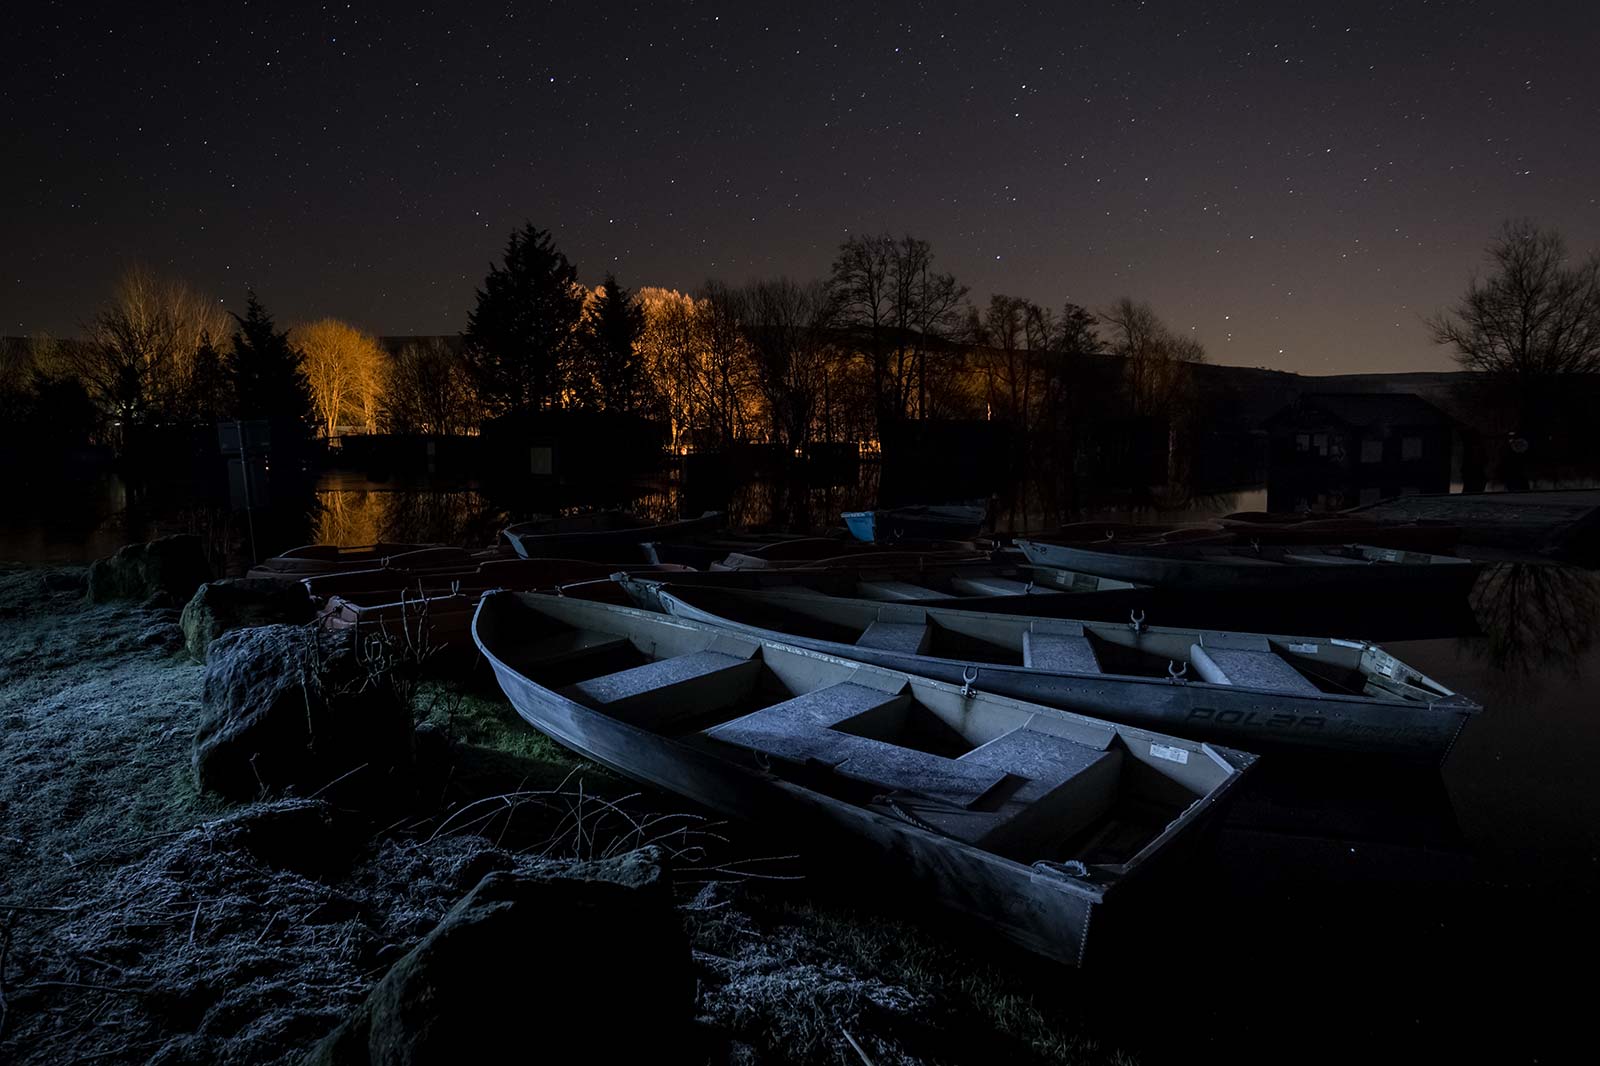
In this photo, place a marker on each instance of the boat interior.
(1027, 782)
(1303, 665)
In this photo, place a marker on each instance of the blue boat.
(944, 522)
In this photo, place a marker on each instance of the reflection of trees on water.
(1535, 616)
(407, 517)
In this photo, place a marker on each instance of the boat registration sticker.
(1303, 649)
(1169, 753)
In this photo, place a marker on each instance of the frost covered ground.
(143, 922)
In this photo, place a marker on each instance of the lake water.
(1342, 903)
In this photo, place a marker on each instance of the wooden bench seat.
(990, 586)
(1064, 653)
(895, 590)
(1251, 668)
(1054, 788)
(799, 731)
(911, 638)
(658, 693)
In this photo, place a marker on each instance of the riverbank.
(145, 921)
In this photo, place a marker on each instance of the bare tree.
(787, 327)
(145, 349)
(345, 369)
(902, 313)
(1532, 322)
(1156, 359)
(429, 389)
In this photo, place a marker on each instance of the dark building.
(1328, 451)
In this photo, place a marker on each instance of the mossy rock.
(174, 565)
(239, 603)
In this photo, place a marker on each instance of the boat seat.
(1054, 788)
(798, 731)
(896, 590)
(1062, 653)
(989, 586)
(1252, 669)
(657, 694)
(566, 645)
(910, 638)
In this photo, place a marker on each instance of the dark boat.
(1027, 818)
(888, 578)
(1256, 690)
(942, 522)
(313, 560)
(1276, 567)
(610, 536)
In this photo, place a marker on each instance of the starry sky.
(1296, 183)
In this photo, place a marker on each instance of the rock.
(74, 580)
(575, 956)
(174, 565)
(288, 708)
(159, 600)
(163, 636)
(234, 603)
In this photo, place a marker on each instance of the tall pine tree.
(610, 343)
(265, 369)
(521, 334)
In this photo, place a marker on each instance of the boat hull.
(1216, 575)
(1036, 909)
(1254, 719)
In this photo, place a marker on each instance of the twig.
(866, 1060)
(336, 780)
(268, 927)
(192, 923)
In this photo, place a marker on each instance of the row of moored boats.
(892, 697)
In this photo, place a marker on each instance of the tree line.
(883, 337)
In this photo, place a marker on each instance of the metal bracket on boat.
(1027, 588)
(1255, 545)
(1176, 672)
(1136, 620)
(969, 674)
(1071, 868)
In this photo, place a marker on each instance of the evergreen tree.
(521, 335)
(265, 369)
(610, 344)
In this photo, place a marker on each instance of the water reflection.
(1534, 617)
(462, 517)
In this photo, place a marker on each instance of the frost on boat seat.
(988, 586)
(1020, 793)
(1251, 668)
(895, 590)
(799, 731)
(1054, 787)
(1062, 653)
(658, 693)
(910, 638)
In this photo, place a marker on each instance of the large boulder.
(293, 709)
(174, 565)
(591, 957)
(238, 603)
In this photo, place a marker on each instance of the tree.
(609, 340)
(521, 335)
(1156, 360)
(428, 389)
(266, 371)
(1533, 322)
(344, 368)
(901, 311)
(146, 353)
(1075, 332)
(787, 325)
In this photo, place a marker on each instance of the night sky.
(1297, 187)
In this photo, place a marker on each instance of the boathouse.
(1328, 451)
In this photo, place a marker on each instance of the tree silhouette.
(1532, 323)
(522, 332)
(266, 370)
(610, 345)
